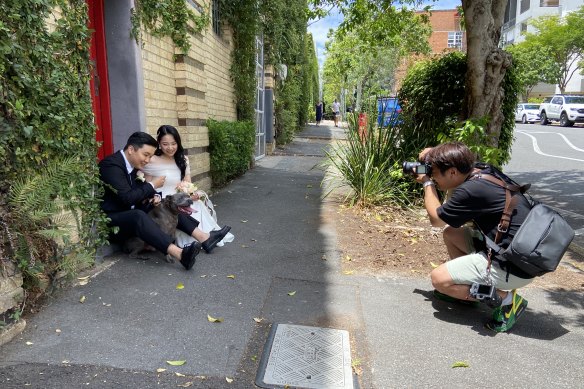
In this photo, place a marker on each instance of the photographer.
(451, 167)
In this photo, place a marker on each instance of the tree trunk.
(486, 63)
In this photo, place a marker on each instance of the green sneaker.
(505, 317)
(445, 297)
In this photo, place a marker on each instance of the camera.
(417, 168)
(485, 293)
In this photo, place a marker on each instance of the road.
(551, 158)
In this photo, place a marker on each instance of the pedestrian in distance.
(336, 107)
(451, 167)
(318, 108)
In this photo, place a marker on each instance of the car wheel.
(564, 121)
(543, 120)
(524, 119)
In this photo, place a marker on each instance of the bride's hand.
(195, 196)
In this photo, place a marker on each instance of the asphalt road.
(551, 158)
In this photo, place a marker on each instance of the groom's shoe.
(189, 255)
(214, 238)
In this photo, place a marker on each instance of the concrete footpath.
(135, 316)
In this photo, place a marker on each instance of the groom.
(127, 200)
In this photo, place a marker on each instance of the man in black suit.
(127, 200)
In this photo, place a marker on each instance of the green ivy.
(231, 146)
(46, 115)
(173, 18)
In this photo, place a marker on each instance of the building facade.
(516, 23)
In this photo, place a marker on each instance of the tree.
(533, 63)
(563, 41)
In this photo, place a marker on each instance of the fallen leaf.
(58, 331)
(460, 364)
(29, 343)
(309, 186)
(186, 384)
(244, 246)
(229, 380)
(292, 293)
(160, 370)
(179, 375)
(214, 320)
(176, 363)
(348, 258)
(244, 221)
(203, 276)
(378, 217)
(433, 265)
(84, 281)
(254, 240)
(231, 276)
(82, 299)
(258, 319)
(180, 285)
(323, 257)
(65, 361)
(348, 272)
(254, 358)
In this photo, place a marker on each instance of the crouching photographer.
(472, 274)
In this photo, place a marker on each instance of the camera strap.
(503, 226)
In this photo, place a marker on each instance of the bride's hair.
(179, 156)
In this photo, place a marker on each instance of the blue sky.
(319, 29)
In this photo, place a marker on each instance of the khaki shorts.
(473, 268)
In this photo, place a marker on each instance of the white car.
(527, 113)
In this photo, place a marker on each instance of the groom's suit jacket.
(122, 190)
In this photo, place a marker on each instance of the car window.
(531, 106)
(574, 99)
(547, 100)
(557, 100)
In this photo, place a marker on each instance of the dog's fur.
(166, 216)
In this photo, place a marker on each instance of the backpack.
(540, 242)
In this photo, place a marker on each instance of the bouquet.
(186, 187)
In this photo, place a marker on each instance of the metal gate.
(260, 139)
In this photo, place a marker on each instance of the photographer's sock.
(508, 299)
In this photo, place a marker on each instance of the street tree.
(534, 65)
(487, 63)
(563, 41)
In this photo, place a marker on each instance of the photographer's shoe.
(189, 255)
(445, 297)
(214, 238)
(505, 316)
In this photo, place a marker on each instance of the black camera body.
(485, 293)
(417, 168)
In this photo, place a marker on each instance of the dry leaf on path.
(176, 363)
(292, 293)
(160, 370)
(258, 319)
(180, 285)
(214, 320)
(231, 276)
(82, 299)
(460, 364)
(229, 380)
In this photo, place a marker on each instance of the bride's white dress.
(205, 212)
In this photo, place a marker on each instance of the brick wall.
(442, 22)
(185, 90)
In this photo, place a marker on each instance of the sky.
(320, 28)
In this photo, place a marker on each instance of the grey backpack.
(540, 242)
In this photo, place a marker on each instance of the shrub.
(231, 145)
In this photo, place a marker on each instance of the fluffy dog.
(166, 216)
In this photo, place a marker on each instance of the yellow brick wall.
(185, 90)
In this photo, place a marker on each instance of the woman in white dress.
(170, 161)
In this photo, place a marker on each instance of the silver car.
(527, 113)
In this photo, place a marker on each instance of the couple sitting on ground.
(132, 182)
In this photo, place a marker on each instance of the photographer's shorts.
(473, 268)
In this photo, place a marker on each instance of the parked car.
(388, 111)
(562, 108)
(527, 113)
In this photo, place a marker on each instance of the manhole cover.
(306, 357)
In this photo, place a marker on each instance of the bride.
(170, 161)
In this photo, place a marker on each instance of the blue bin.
(388, 111)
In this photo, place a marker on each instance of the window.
(216, 19)
(549, 3)
(524, 5)
(523, 27)
(455, 39)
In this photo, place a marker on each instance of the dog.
(165, 215)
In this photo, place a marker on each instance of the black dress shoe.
(214, 238)
(189, 255)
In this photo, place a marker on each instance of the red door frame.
(99, 83)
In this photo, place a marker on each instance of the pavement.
(135, 316)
